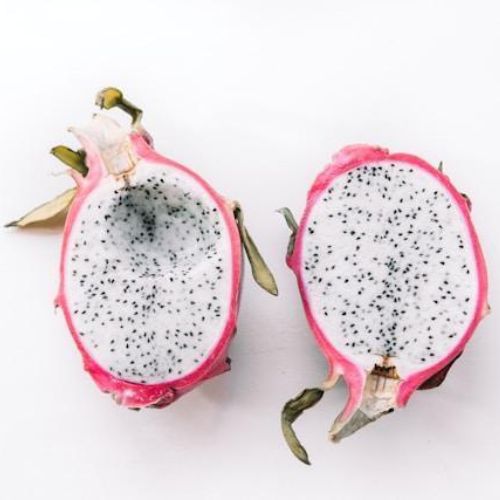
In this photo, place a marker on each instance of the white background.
(255, 96)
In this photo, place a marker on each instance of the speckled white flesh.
(148, 274)
(389, 266)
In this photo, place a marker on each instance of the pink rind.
(347, 159)
(127, 393)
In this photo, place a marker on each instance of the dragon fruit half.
(392, 279)
(150, 265)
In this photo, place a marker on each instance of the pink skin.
(348, 159)
(131, 394)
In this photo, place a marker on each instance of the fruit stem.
(112, 97)
(378, 399)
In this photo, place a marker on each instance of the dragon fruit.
(392, 280)
(150, 266)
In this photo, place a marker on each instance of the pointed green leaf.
(260, 271)
(291, 411)
(47, 211)
(74, 159)
(440, 166)
(293, 226)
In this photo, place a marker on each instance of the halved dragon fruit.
(150, 266)
(392, 279)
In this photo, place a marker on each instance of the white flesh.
(389, 267)
(148, 274)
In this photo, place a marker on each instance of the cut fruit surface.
(391, 276)
(388, 266)
(149, 274)
(150, 270)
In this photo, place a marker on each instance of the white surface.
(255, 96)
(355, 231)
(174, 336)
